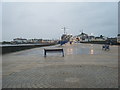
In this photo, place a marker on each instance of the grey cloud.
(45, 20)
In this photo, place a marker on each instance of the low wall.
(8, 49)
(100, 42)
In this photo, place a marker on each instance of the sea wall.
(9, 49)
(101, 42)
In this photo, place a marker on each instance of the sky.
(0, 21)
(46, 19)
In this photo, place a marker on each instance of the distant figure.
(105, 47)
(70, 42)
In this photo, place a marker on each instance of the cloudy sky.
(45, 19)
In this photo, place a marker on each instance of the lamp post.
(64, 28)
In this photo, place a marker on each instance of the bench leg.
(44, 53)
(63, 53)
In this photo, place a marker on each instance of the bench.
(54, 50)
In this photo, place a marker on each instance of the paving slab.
(83, 66)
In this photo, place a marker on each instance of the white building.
(91, 38)
(86, 38)
(34, 40)
(83, 37)
(19, 40)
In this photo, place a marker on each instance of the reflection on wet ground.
(81, 49)
(75, 49)
(74, 54)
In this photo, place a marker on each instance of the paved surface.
(84, 66)
(72, 76)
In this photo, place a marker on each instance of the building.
(118, 38)
(83, 37)
(19, 40)
(34, 40)
(100, 38)
(66, 37)
(48, 41)
(112, 41)
(91, 38)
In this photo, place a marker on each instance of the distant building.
(118, 38)
(48, 41)
(100, 38)
(91, 38)
(31, 41)
(83, 37)
(74, 39)
(112, 40)
(66, 37)
(34, 40)
(19, 40)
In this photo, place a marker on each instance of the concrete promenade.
(83, 66)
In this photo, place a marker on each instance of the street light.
(64, 28)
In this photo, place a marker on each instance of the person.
(70, 42)
(105, 47)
